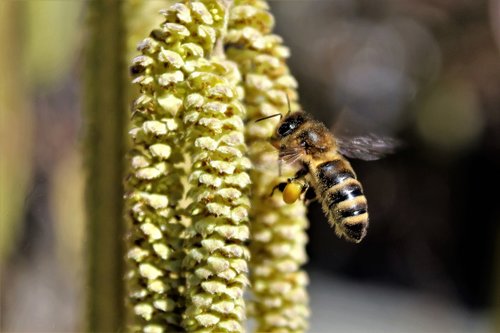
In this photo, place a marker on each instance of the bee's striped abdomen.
(342, 199)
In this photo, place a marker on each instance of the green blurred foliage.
(450, 118)
(16, 128)
(52, 37)
(67, 207)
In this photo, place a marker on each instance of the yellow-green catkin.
(155, 186)
(216, 257)
(278, 238)
(141, 19)
(171, 72)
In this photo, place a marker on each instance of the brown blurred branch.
(104, 150)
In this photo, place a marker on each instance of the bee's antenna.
(271, 116)
(289, 107)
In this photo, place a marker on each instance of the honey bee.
(324, 172)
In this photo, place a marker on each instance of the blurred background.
(426, 72)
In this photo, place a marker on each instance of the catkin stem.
(104, 149)
(219, 51)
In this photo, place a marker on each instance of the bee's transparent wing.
(366, 147)
(361, 136)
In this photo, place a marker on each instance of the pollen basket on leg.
(292, 192)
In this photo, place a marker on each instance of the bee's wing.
(356, 138)
(366, 147)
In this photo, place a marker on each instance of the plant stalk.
(104, 149)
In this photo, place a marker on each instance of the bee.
(324, 172)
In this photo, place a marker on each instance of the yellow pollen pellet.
(292, 192)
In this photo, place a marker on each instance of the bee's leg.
(300, 174)
(309, 195)
(280, 187)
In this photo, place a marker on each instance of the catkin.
(278, 238)
(156, 183)
(189, 183)
(216, 258)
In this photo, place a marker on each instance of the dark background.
(426, 72)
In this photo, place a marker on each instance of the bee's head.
(287, 126)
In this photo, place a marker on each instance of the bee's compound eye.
(285, 129)
(291, 123)
(292, 192)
